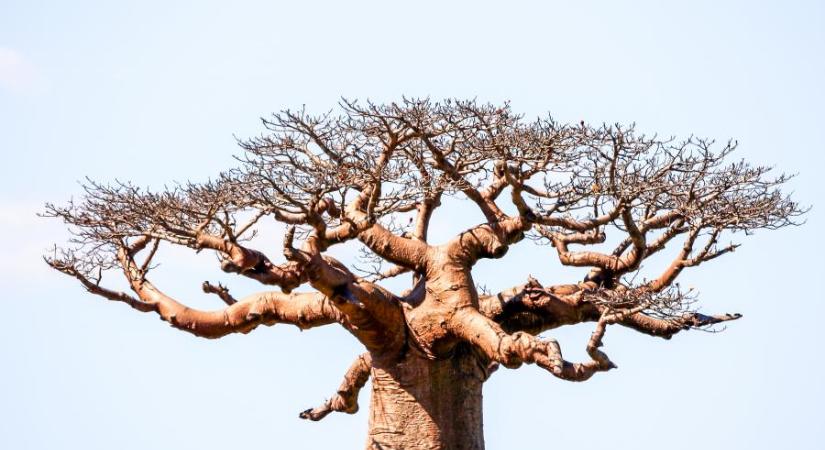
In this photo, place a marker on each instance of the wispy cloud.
(17, 74)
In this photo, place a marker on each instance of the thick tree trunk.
(420, 404)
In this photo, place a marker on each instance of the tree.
(376, 174)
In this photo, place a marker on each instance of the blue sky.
(156, 91)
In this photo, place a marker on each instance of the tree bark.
(423, 404)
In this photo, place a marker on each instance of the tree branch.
(512, 350)
(404, 252)
(219, 290)
(268, 308)
(534, 309)
(372, 313)
(252, 263)
(346, 398)
(488, 240)
(666, 328)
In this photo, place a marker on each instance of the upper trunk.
(421, 404)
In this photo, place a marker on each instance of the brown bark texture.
(418, 403)
(604, 198)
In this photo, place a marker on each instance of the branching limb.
(512, 350)
(268, 308)
(488, 240)
(425, 214)
(684, 259)
(93, 286)
(302, 310)
(372, 313)
(346, 398)
(409, 253)
(533, 308)
(252, 263)
(599, 361)
(488, 207)
(666, 328)
(393, 271)
(219, 290)
(401, 251)
(572, 224)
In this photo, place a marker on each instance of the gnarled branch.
(346, 397)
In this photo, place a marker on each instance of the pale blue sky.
(153, 92)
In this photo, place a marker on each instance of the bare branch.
(346, 398)
(219, 290)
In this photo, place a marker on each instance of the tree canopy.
(604, 198)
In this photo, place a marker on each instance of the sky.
(157, 92)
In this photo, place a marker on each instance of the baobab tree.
(604, 199)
